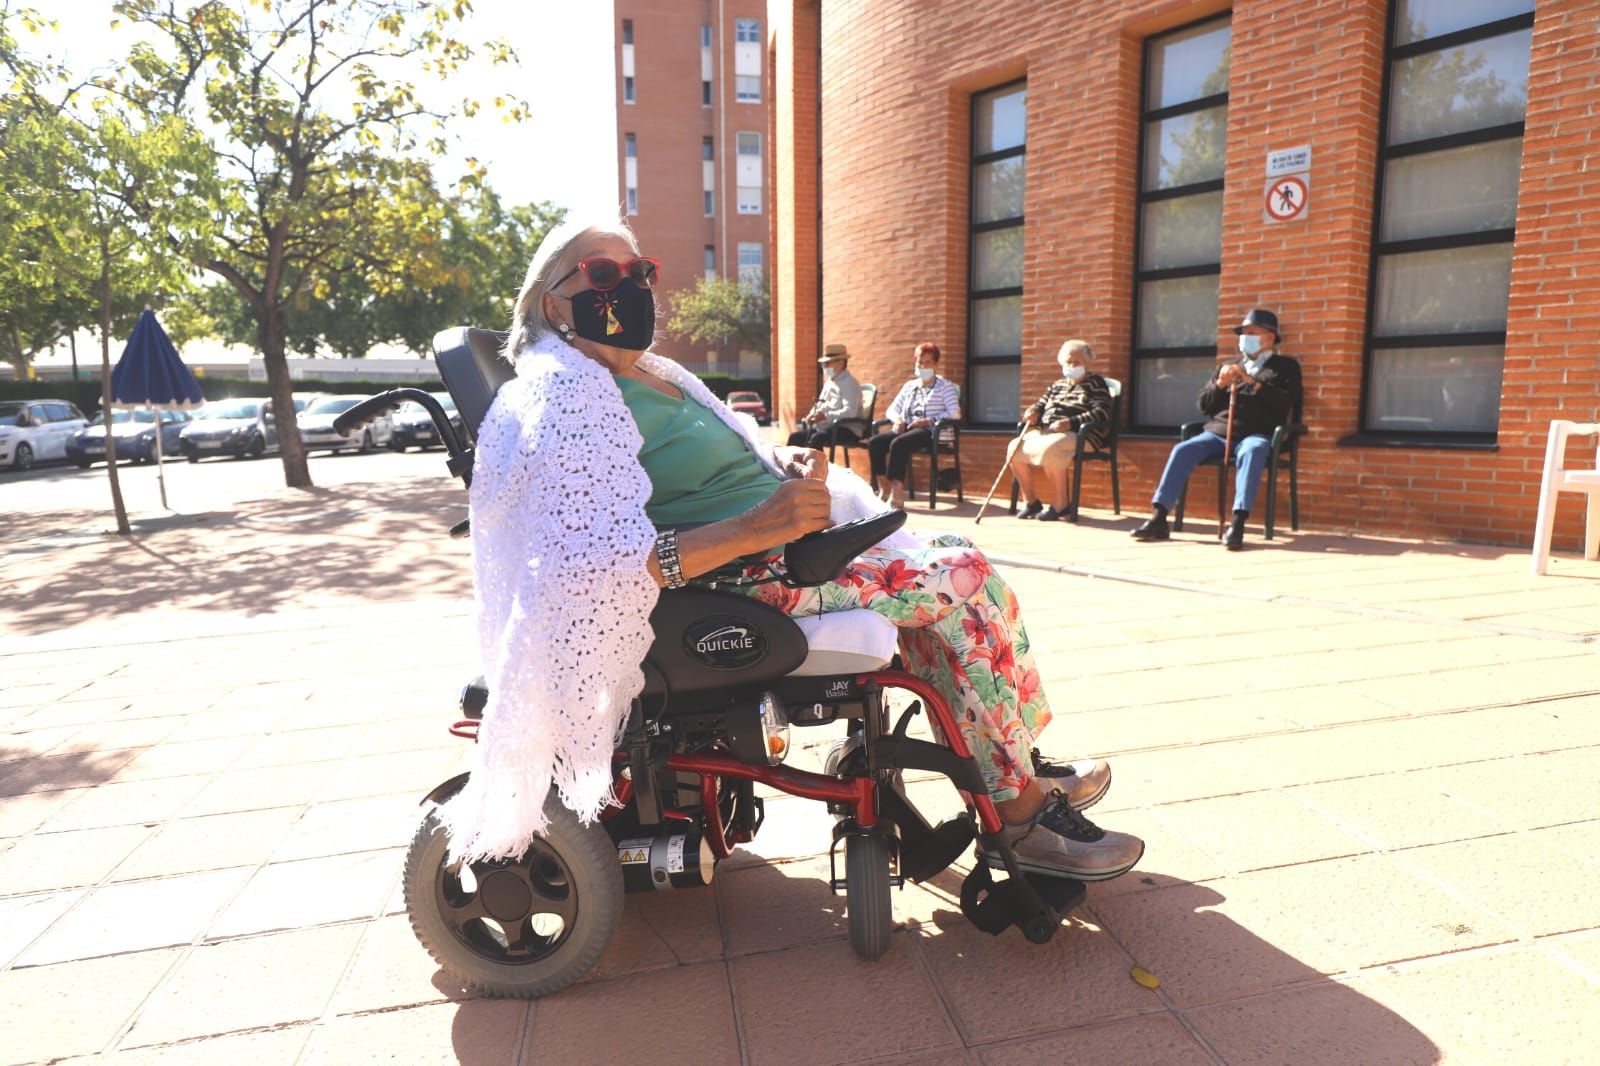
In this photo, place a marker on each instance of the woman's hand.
(1060, 425)
(798, 507)
(1030, 417)
(802, 462)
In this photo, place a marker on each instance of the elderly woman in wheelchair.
(661, 596)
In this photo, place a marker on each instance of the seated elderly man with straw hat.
(840, 398)
(1079, 402)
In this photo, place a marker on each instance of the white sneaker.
(1084, 782)
(1060, 842)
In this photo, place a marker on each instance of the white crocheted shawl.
(560, 542)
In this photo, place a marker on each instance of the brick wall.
(796, 232)
(897, 78)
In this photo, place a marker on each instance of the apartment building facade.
(692, 148)
(1000, 178)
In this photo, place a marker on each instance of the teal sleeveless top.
(700, 470)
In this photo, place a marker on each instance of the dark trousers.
(891, 452)
(811, 437)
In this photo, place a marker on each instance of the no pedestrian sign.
(1287, 198)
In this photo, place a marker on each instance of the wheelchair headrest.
(473, 370)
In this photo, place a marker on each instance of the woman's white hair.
(550, 262)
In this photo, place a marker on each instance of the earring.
(565, 331)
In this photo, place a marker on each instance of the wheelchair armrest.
(1191, 429)
(880, 423)
(817, 558)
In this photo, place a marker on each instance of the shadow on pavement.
(1250, 999)
(310, 549)
(25, 770)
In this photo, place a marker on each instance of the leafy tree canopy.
(719, 310)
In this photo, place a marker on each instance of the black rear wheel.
(525, 927)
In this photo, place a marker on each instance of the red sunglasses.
(606, 274)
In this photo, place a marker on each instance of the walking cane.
(1011, 450)
(1227, 450)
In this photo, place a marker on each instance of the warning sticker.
(1287, 197)
(631, 851)
(675, 855)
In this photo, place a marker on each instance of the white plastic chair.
(1559, 479)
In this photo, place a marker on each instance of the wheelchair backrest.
(472, 369)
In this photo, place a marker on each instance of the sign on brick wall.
(1288, 189)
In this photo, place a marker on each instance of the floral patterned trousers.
(960, 629)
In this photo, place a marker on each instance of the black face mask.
(623, 317)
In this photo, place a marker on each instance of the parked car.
(414, 426)
(31, 430)
(750, 403)
(236, 427)
(316, 426)
(135, 432)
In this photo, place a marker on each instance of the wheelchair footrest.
(924, 855)
(1036, 905)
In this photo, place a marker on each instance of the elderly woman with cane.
(605, 473)
(1079, 403)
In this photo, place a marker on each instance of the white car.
(316, 427)
(31, 430)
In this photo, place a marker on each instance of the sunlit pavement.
(1365, 769)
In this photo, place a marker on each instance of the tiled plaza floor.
(1366, 771)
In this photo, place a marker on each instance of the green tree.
(719, 310)
(321, 172)
(73, 166)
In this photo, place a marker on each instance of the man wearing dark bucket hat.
(840, 398)
(1267, 389)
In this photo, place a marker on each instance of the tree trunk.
(296, 474)
(105, 391)
(19, 362)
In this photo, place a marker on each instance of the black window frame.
(1371, 343)
(1147, 115)
(974, 161)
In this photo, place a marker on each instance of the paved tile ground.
(1365, 769)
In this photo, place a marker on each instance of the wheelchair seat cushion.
(846, 642)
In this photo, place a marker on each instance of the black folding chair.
(1085, 452)
(1283, 456)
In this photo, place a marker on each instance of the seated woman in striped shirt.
(1080, 402)
(922, 402)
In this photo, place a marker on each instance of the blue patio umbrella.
(150, 374)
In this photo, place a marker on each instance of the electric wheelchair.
(727, 679)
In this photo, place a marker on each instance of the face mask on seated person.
(1075, 373)
(623, 317)
(829, 372)
(924, 374)
(1249, 345)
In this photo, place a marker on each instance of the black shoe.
(1235, 537)
(1049, 514)
(1031, 510)
(1155, 528)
